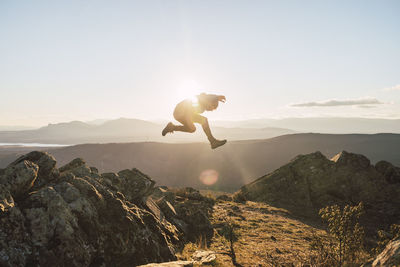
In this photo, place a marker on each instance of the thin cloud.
(393, 88)
(366, 106)
(365, 102)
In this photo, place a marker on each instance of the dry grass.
(268, 236)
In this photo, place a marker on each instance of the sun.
(188, 89)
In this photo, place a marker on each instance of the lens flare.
(209, 177)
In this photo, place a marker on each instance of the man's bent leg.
(206, 127)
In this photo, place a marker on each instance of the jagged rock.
(188, 210)
(204, 257)
(77, 217)
(349, 159)
(6, 200)
(78, 167)
(163, 193)
(45, 162)
(310, 182)
(390, 256)
(135, 184)
(19, 177)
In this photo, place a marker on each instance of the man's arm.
(220, 98)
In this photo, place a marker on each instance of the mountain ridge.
(237, 162)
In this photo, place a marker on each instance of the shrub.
(344, 227)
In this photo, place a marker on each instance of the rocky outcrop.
(74, 216)
(310, 182)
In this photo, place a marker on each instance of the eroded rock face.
(74, 216)
(310, 182)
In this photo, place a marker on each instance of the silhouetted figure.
(188, 112)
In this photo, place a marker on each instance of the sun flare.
(189, 89)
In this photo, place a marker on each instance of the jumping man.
(188, 112)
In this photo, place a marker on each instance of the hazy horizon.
(74, 60)
(226, 122)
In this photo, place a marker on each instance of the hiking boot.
(217, 143)
(168, 129)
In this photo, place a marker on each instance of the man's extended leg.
(206, 128)
(187, 127)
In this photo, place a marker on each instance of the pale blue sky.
(82, 60)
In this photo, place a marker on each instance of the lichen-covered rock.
(77, 217)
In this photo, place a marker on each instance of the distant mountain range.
(135, 130)
(15, 128)
(322, 125)
(237, 162)
(127, 130)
